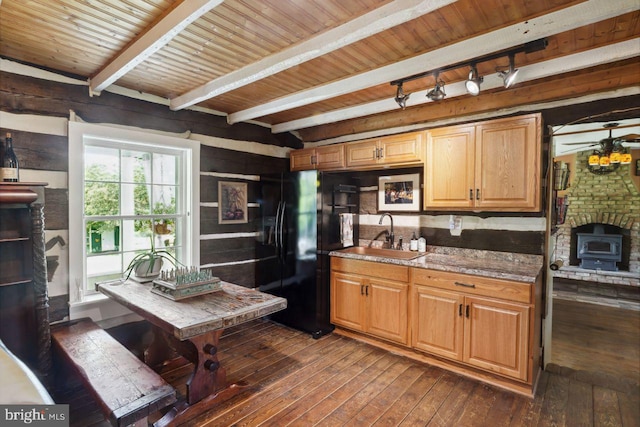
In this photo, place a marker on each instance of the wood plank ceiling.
(323, 67)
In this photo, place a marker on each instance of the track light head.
(473, 82)
(401, 98)
(437, 93)
(509, 76)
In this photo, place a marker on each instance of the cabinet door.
(348, 301)
(303, 159)
(387, 309)
(438, 322)
(496, 336)
(330, 157)
(508, 163)
(449, 168)
(361, 154)
(401, 149)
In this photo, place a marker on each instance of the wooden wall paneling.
(227, 250)
(602, 110)
(208, 188)
(56, 211)
(28, 95)
(58, 307)
(39, 151)
(209, 222)
(524, 242)
(213, 159)
(253, 189)
(243, 274)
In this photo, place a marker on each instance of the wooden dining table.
(192, 328)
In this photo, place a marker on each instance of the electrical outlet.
(455, 222)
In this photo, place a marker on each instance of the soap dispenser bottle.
(413, 244)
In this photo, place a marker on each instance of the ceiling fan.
(611, 152)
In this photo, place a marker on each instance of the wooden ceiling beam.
(376, 21)
(602, 55)
(572, 17)
(566, 86)
(151, 40)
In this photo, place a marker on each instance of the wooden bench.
(126, 389)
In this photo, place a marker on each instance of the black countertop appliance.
(304, 216)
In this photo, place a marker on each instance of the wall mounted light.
(509, 76)
(401, 98)
(473, 82)
(437, 93)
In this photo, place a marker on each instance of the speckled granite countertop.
(498, 265)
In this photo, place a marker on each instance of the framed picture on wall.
(232, 202)
(399, 193)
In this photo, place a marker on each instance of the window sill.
(93, 298)
(102, 310)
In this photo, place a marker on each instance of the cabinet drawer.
(368, 268)
(475, 285)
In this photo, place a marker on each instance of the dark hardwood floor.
(336, 381)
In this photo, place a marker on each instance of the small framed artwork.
(232, 202)
(399, 193)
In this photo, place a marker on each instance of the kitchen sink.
(382, 253)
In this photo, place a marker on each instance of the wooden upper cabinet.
(450, 168)
(492, 166)
(328, 157)
(397, 150)
(508, 163)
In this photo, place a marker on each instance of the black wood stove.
(599, 251)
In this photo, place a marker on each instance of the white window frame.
(190, 177)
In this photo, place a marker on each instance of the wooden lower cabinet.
(496, 336)
(485, 328)
(437, 322)
(370, 304)
(481, 332)
(347, 301)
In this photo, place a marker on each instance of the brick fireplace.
(611, 200)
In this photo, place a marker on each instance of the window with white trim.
(129, 191)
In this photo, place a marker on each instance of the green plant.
(150, 257)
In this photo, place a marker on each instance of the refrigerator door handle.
(277, 229)
(283, 248)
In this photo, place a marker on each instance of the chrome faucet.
(391, 236)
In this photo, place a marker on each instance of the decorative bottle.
(10, 167)
(413, 244)
(422, 244)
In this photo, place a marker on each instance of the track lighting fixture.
(509, 76)
(473, 82)
(401, 98)
(437, 93)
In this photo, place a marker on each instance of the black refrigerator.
(301, 218)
